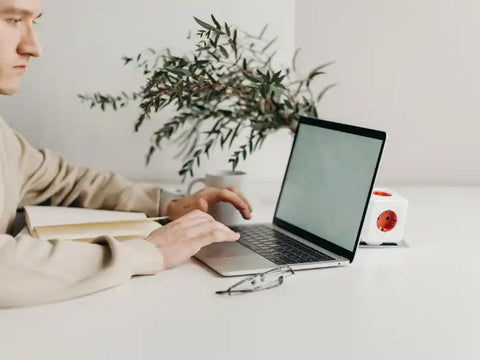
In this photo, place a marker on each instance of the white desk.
(420, 302)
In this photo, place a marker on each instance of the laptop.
(321, 205)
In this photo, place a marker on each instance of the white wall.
(83, 42)
(409, 67)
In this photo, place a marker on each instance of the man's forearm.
(66, 185)
(34, 271)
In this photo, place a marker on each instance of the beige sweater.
(34, 271)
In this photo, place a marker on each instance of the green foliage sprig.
(228, 85)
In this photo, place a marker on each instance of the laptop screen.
(328, 183)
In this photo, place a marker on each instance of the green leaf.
(279, 80)
(270, 43)
(214, 128)
(126, 60)
(263, 90)
(180, 71)
(224, 139)
(320, 95)
(201, 62)
(235, 133)
(258, 143)
(234, 42)
(312, 75)
(263, 31)
(215, 42)
(251, 78)
(227, 29)
(214, 56)
(234, 160)
(320, 67)
(223, 51)
(294, 59)
(212, 79)
(204, 24)
(269, 60)
(216, 22)
(250, 142)
(207, 146)
(261, 74)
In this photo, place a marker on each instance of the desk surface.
(420, 302)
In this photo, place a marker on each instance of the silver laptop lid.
(328, 183)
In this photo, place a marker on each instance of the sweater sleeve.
(34, 271)
(44, 175)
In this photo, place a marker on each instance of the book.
(80, 224)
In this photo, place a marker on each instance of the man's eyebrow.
(18, 11)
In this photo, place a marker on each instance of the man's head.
(18, 40)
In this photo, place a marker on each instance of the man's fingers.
(220, 235)
(208, 196)
(204, 228)
(206, 231)
(217, 235)
(198, 223)
(240, 194)
(231, 197)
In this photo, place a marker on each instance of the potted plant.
(226, 93)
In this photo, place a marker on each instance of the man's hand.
(184, 237)
(202, 200)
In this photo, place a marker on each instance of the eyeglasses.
(266, 280)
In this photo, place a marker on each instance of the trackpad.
(232, 258)
(224, 249)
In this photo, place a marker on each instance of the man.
(34, 271)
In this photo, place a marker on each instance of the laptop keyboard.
(276, 246)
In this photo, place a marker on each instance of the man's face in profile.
(18, 40)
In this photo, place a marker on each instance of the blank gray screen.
(327, 183)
